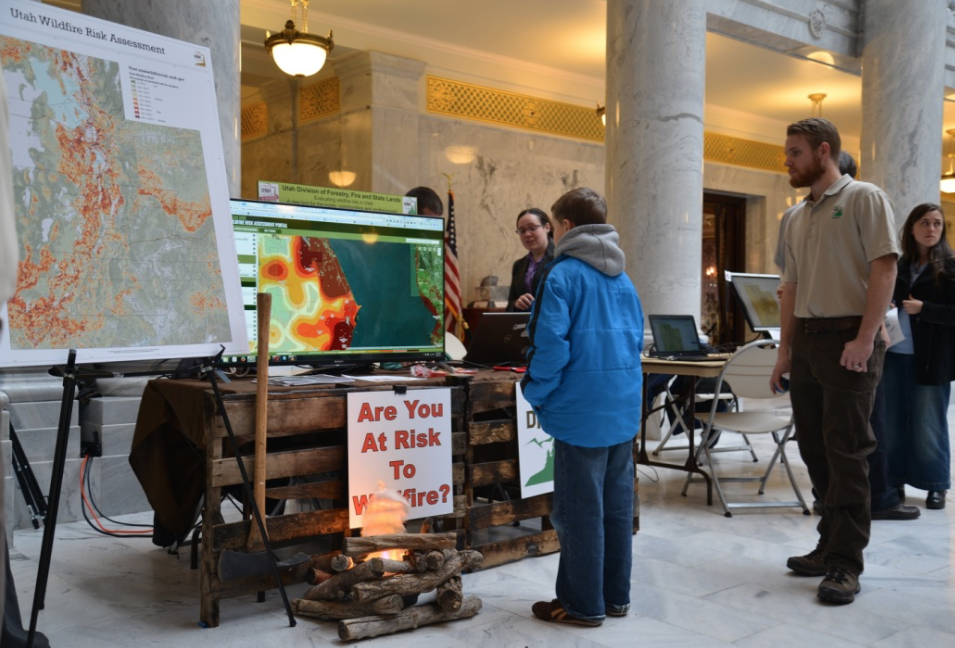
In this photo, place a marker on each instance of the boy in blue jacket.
(584, 381)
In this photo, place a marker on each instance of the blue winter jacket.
(584, 377)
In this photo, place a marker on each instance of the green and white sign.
(284, 192)
(535, 450)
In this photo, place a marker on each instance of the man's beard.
(807, 178)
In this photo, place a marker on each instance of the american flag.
(452, 278)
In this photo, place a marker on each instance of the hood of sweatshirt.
(595, 245)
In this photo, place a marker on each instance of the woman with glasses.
(533, 226)
(919, 369)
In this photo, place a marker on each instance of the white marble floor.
(700, 580)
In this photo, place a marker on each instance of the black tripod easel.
(208, 370)
(56, 483)
(32, 495)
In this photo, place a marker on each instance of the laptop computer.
(500, 338)
(675, 337)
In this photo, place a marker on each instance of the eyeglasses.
(524, 230)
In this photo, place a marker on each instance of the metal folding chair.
(749, 371)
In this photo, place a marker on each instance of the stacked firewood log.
(373, 596)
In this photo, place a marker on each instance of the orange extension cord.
(87, 502)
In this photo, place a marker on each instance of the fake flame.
(386, 514)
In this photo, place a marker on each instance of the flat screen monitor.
(348, 286)
(756, 294)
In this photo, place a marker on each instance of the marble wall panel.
(119, 490)
(41, 414)
(111, 410)
(510, 171)
(116, 439)
(39, 444)
(69, 510)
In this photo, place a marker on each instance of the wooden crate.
(491, 464)
(307, 437)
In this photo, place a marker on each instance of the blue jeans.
(593, 516)
(918, 444)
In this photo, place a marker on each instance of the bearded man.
(841, 253)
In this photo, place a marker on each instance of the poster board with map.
(120, 194)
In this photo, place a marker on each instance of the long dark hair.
(939, 253)
(541, 216)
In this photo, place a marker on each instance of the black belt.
(820, 324)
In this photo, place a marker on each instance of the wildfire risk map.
(113, 192)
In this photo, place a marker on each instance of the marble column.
(903, 84)
(211, 24)
(656, 60)
(380, 120)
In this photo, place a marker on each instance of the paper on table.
(311, 379)
(383, 378)
(893, 327)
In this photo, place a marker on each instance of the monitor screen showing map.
(756, 294)
(347, 286)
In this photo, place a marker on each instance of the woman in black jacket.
(533, 226)
(919, 370)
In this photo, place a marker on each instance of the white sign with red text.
(403, 440)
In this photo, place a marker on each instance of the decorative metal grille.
(742, 152)
(320, 99)
(255, 120)
(469, 101)
(493, 106)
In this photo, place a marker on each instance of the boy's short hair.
(817, 130)
(427, 199)
(581, 206)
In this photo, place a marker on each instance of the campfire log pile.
(371, 595)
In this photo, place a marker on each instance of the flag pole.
(460, 326)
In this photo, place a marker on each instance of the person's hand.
(779, 293)
(783, 365)
(912, 306)
(524, 302)
(855, 356)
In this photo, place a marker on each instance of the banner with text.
(404, 441)
(284, 192)
(535, 450)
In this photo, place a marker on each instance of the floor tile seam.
(721, 608)
(790, 624)
(785, 617)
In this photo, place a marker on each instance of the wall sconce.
(602, 113)
(298, 53)
(342, 178)
(460, 154)
(947, 183)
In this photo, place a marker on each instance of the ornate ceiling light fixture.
(298, 53)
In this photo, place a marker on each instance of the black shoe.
(900, 512)
(839, 586)
(935, 500)
(812, 564)
(901, 490)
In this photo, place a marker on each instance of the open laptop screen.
(675, 335)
